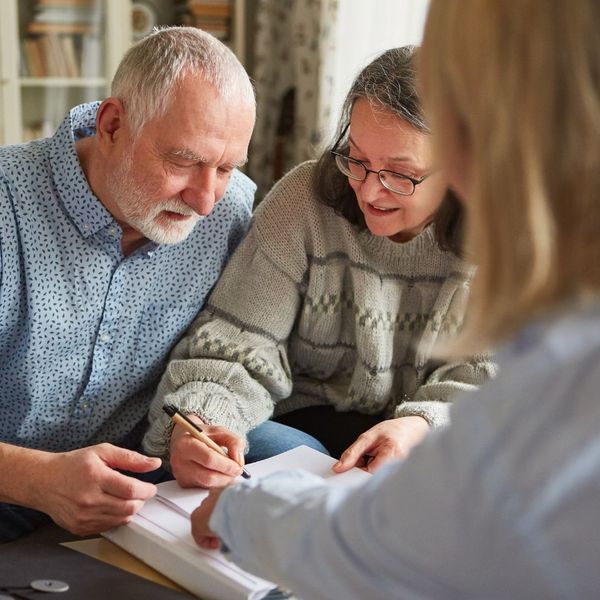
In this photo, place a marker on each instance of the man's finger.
(128, 460)
(127, 488)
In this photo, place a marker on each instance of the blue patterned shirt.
(84, 332)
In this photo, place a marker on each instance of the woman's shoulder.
(292, 193)
(292, 208)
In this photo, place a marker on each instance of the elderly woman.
(504, 503)
(327, 314)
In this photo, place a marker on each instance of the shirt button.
(104, 337)
(87, 226)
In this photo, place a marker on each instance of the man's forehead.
(192, 155)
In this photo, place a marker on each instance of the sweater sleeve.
(432, 399)
(231, 367)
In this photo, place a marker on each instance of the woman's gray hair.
(150, 71)
(389, 82)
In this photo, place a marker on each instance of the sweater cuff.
(436, 413)
(157, 440)
(212, 408)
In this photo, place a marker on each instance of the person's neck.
(96, 177)
(131, 239)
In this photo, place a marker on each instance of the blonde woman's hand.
(201, 531)
(389, 440)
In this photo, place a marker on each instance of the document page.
(160, 533)
(185, 501)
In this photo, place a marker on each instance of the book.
(71, 14)
(33, 58)
(70, 55)
(65, 3)
(160, 533)
(38, 28)
(91, 61)
(211, 10)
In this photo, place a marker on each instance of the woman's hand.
(388, 440)
(194, 464)
(201, 532)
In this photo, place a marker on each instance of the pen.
(178, 417)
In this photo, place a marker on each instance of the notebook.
(160, 536)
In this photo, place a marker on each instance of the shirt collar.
(83, 207)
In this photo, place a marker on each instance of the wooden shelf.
(27, 101)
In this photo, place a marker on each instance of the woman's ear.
(111, 123)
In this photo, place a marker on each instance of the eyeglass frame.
(415, 182)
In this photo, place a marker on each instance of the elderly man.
(112, 232)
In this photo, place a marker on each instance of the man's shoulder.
(240, 191)
(21, 159)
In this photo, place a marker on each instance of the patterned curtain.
(307, 52)
(293, 44)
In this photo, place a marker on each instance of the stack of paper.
(160, 533)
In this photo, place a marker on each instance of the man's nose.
(200, 193)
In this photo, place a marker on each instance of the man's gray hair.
(150, 71)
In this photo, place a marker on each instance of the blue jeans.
(17, 521)
(335, 430)
(271, 438)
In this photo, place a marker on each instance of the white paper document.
(160, 533)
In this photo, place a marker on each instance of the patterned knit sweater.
(311, 311)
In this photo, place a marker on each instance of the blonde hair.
(515, 87)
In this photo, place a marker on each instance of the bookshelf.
(55, 54)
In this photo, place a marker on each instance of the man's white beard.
(144, 214)
(157, 228)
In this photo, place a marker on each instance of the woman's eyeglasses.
(357, 170)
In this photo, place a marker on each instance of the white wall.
(364, 29)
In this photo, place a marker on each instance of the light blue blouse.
(505, 503)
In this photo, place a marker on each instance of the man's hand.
(194, 464)
(201, 532)
(83, 493)
(388, 440)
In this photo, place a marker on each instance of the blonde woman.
(503, 504)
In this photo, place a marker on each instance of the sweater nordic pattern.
(311, 311)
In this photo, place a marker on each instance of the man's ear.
(111, 123)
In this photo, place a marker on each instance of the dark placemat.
(39, 556)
